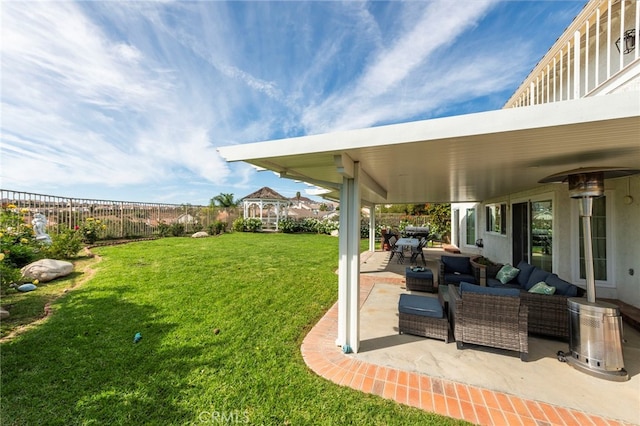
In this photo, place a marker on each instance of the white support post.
(349, 263)
(372, 228)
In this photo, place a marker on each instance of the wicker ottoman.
(419, 280)
(422, 316)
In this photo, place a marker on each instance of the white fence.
(121, 219)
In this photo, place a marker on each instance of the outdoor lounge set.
(500, 313)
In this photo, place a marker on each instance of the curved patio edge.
(457, 400)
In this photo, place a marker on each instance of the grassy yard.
(222, 320)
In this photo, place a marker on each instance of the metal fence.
(119, 219)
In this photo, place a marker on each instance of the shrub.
(17, 240)
(163, 229)
(8, 274)
(65, 245)
(308, 225)
(91, 230)
(247, 225)
(288, 226)
(217, 227)
(177, 229)
(238, 225)
(252, 224)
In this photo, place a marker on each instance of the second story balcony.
(596, 55)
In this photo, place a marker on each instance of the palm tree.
(224, 201)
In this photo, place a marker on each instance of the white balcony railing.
(589, 58)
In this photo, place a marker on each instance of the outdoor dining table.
(405, 242)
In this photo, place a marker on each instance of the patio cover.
(463, 158)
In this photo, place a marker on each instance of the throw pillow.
(542, 288)
(507, 273)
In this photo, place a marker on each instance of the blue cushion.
(562, 287)
(493, 291)
(458, 278)
(419, 305)
(536, 276)
(525, 272)
(457, 264)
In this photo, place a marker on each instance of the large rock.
(4, 314)
(45, 270)
(200, 234)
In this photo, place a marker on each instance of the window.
(542, 234)
(497, 218)
(471, 227)
(599, 236)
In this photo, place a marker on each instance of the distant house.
(185, 218)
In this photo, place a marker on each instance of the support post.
(372, 228)
(349, 265)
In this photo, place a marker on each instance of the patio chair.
(489, 317)
(454, 270)
(395, 249)
(417, 251)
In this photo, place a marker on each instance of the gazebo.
(267, 205)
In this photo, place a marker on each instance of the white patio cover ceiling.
(463, 158)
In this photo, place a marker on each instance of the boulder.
(4, 314)
(45, 270)
(200, 234)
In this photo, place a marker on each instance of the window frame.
(491, 216)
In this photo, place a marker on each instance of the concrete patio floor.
(480, 385)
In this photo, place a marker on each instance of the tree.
(224, 201)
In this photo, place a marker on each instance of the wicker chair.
(497, 321)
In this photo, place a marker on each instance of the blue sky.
(129, 100)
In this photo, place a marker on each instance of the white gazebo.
(267, 205)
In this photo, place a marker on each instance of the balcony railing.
(590, 58)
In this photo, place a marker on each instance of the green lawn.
(262, 291)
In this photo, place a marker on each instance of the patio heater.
(595, 328)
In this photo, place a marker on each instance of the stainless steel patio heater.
(595, 328)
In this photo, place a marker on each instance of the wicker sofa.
(489, 317)
(548, 315)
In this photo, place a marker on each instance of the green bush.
(65, 245)
(18, 245)
(163, 230)
(217, 227)
(252, 225)
(8, 275)
(91, 230)
(238, 225)
(247, 225)
(176, 229)
(307, 225)
(17, 240)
